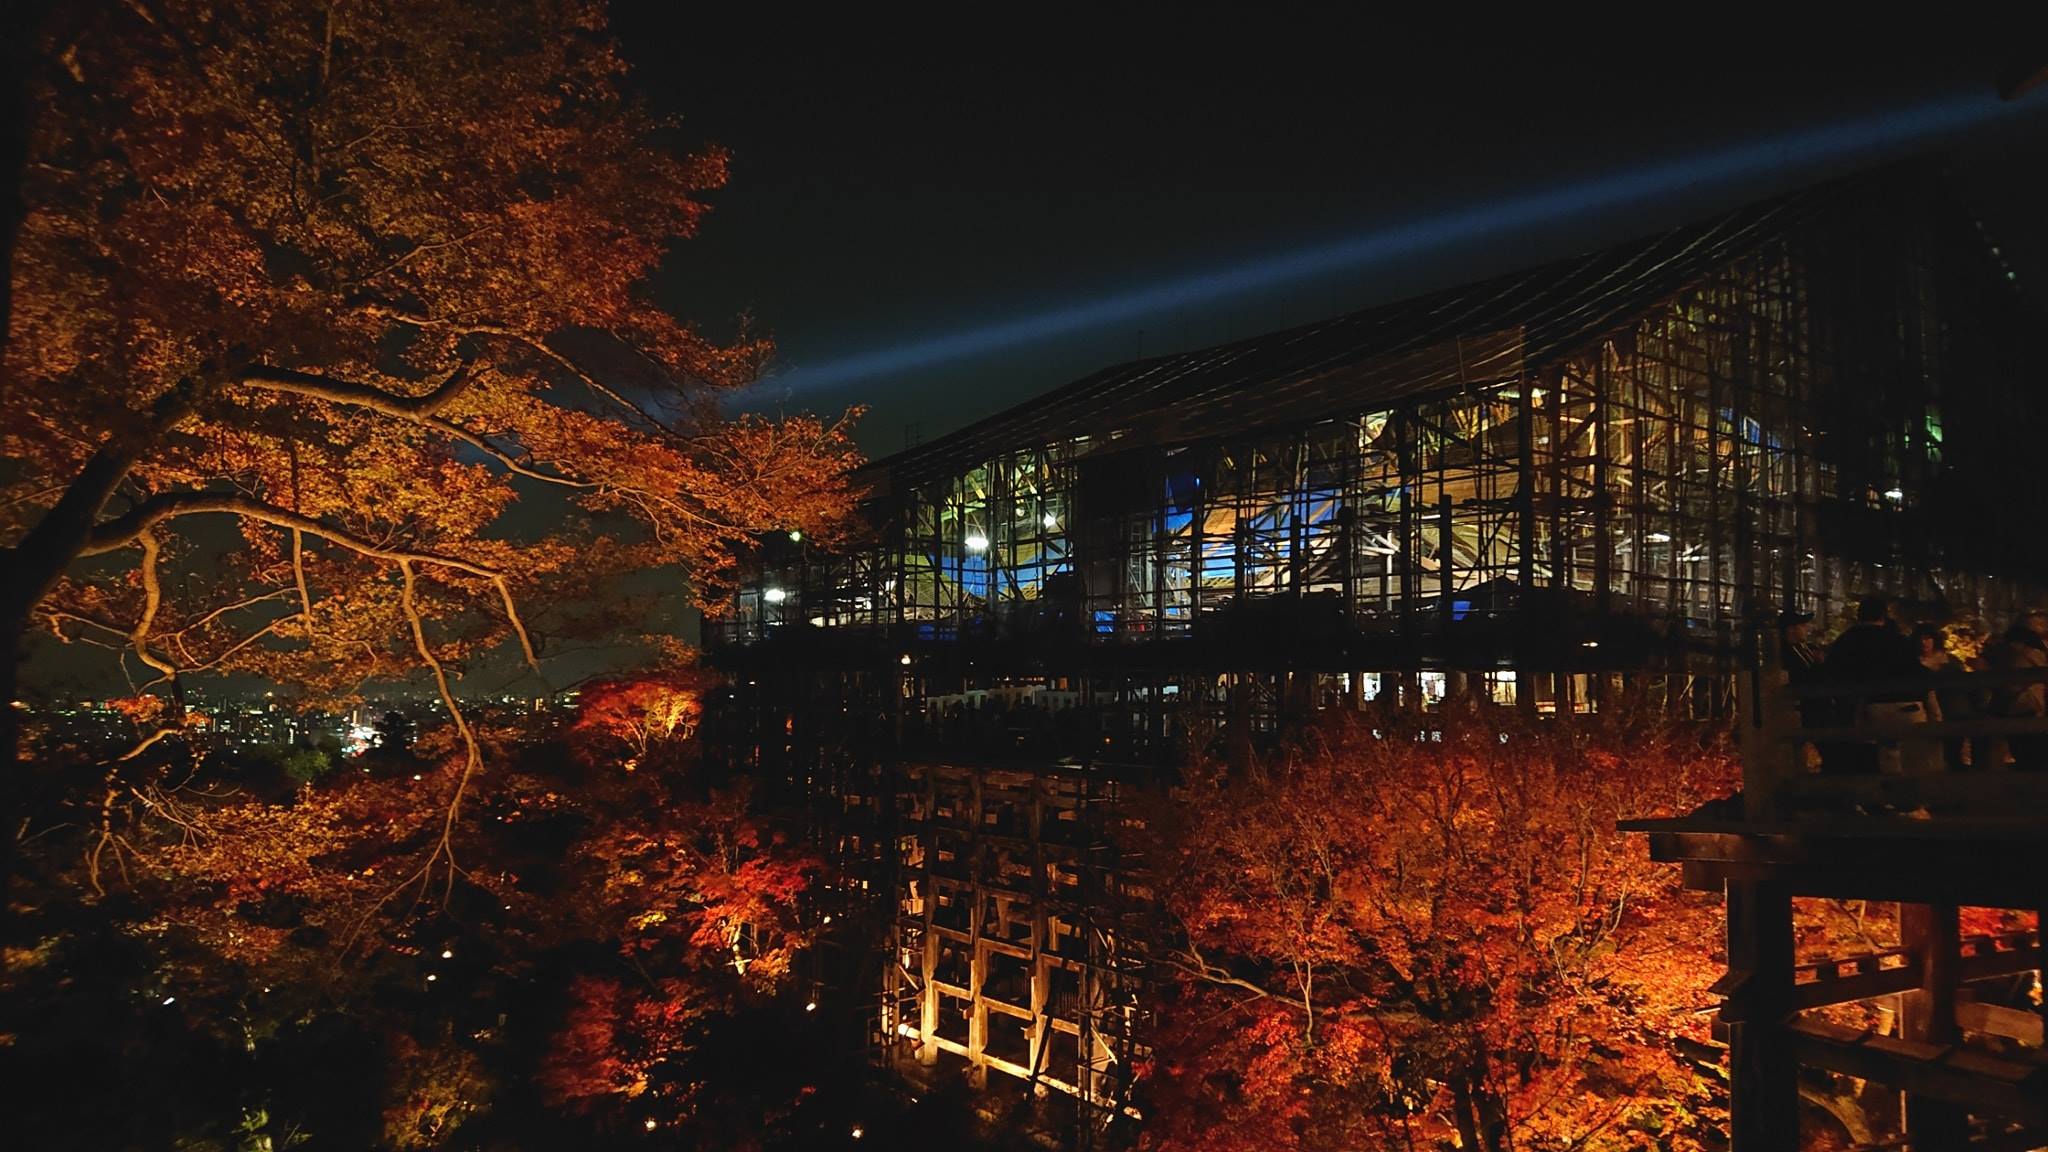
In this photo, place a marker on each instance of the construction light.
(774, 595)
(976, 542)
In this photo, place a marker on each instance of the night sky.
(890, 191)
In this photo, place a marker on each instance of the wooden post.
(977, 951)
(1767, 759)
(1764, 1090)
(928, 993)
(1928, 1014)
(1041, 970)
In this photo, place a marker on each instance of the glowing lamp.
(976, 542)
(1894, 494)
(774, 595)
(810, 1005)
(649, 1124)
(1050, 521)
(904, 660)
(1659, 537)
(796, 536)
(857, 1133)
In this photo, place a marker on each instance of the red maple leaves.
(1426, 928)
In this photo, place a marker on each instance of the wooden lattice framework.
(1970, 1073)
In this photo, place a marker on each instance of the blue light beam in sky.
(1889, 132)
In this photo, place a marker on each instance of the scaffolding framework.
(1612, 465)
(1965, 1050)
(1015, 948)
(1528, 489)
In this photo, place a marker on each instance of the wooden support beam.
(1988, 1086)
(1994, 1020)
(928, 992)
(977, 952)
(1764, 1089)
(1041, 971)
(1928, 1014)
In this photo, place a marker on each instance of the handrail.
(1827, 689)
(1776, 777)
(1976, 726)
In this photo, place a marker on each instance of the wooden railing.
(1914, 776)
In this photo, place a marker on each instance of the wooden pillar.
(928, 993)
(1763, 1111)
(977, 951)
(1928, 1014)
(1767, 759)
(1041, 971)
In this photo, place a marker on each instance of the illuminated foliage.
(635, 717)
(354, 281)
(619, 919)
(1407, 930)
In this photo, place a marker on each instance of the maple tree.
(661, 902)
(1402, 930)
(306, 297)
(640, 717)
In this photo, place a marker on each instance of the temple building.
(1616, 467)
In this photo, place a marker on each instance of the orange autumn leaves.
(389, 259)
(1409, 928)
(633, 718)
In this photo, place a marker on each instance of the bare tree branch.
(124, 529)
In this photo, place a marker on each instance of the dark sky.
(896, 185)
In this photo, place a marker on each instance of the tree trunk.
(1464, 1113)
